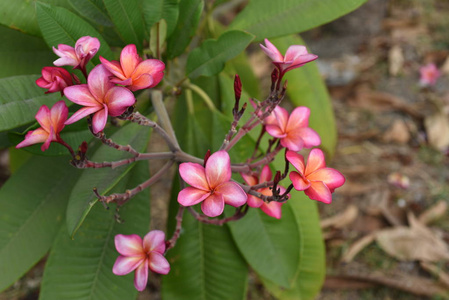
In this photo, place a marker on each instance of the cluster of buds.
(109, 92)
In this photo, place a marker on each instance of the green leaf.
(93, 10)
(209, 58)
(22, 54)
(32, 207)
(170, 13)
(152, 12)
(82, 268)
(185, 28)
(128, 20)
(82, 198)
(21, 15)
(20, 99)
(306, 88)
(60, 26)
(267, 18)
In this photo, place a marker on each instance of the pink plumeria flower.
(54, 79)
(51, 121)
(429, 75)
(295, 57)
(211, 185)
(273, 209)
(317, 181)
(99, 97)
(85, 48)
(133, 72)
(140, 255)
(293, 130)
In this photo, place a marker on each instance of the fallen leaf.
(357, 246)
(437, 128)
(342, 219)
(433, 213)
(397, 133)
(395, 60)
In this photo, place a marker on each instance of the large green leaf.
(60, 26)
(21, 14)
(93, 10)
(82, 198)
(209, 58)
(82, 268)
(267, 18)
(170, 13)
(128, 20)
(32, 207)
(306, 88)
(152, 12)
(185, 28)
(20, 99)
(22, 54)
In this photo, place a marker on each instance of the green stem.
(200, 92)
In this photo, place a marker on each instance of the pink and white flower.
(99, 97)
(133, 72)
(54, 79)
(85, 48)
(429, 75)
(295, 57)
(137, 255)
(293, 130)
(51, 121)
(211, 185)
(273, 209)
(317, 181)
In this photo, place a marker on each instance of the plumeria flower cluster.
(429, 75)
(208, 184)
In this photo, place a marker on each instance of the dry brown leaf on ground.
(342, 219)
(398, 132)
(357, 246)
(433, 213)
(395, 60)
(437, 128)
(416, 242)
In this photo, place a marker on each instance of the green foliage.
(92, 10)
(152, 12)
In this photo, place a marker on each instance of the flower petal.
(298, 181)
(232, 193)
(43, 118)
(190, 196)
(141, 276)
(272, 51)
(315, 161)
(154, 241)
(83, 112)
(152, 67)
(301, 60)
(273, 209)
(294, 52)
(51, 137)
(114, 67)
(129, 245)
(218, 168)
(254, 201)
(59, 113)
(33, 137)
(299, 118)
(142, 82)
(158, 263)
(129, 59)
(98, 82)
(213, 205)
(81, 95)
(309, 136)
(99, 119)
(297, 160)
(126, 264)
(275, 131)
(282, 117)
(118, 99)
(331, 177)
(293, 141)
(265, 174)
(319, 191)
(249, 179)
(195, 175)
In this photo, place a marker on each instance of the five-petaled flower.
(85, 48)
(134, 73)
(317, 181)
(295, 57)
(273, 208)
(211, 185)
(293, 130)
(99, 97)
(54, 79)
(140, 255)
(429, 75)
(51, 121)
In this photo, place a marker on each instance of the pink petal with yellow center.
(100, 119)
(298, 118)
(43, 118)
(129, 245)
(319, 191)
(81, 95)
(98, 82)
(254, 201)
(129, 59)
(275, 131)
(272, 51)
(218, 168)
(293, 141)
(232, 193)
(114, 67)
(315, 161)
(299, 183)
(118, 99)
(59, 113)
(266, 174)
(309, 136)
(297, 160)
(126, 264)
(331, 177)
(83, 112)
(194, 174)
(158, 263)
(213, 205)
(34, 137)
(51, 137)
(294, 52)
(154, 241)
(190, 196)
(273, 209)
(141, 276)
(142, 82)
